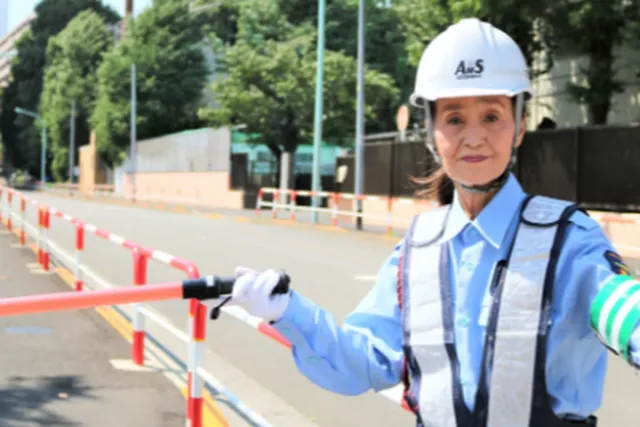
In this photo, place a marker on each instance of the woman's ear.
(523, 130)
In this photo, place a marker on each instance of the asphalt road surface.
(335, 269)
(57, 370)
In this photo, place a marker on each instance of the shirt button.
(463, 321)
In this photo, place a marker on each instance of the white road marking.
(366, 278)
(128, 365)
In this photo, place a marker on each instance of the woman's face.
(474, 136)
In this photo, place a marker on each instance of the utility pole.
(360, 117)
(72, 141)
(132, 155)
(317, 123)
(128, 12)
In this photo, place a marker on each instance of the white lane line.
(365, 278)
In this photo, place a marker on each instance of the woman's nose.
(473, 136)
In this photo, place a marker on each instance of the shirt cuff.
(297, 320)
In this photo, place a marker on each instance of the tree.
(269, 83)
(73, 57)
(165, 43)
(523, 20)
(384, 44)
(594, 29)
(21, 135)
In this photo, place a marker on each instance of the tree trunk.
(601, 74)
(287, 173)
(277, 152)
(603, 86)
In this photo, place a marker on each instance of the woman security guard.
(497, 308)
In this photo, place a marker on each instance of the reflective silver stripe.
(512, 374)
(427, 334)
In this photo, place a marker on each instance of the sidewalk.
(71, 368)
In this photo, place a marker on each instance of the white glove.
(252, 291)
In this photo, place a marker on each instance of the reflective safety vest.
(512, 388)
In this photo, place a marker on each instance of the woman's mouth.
(474, 159)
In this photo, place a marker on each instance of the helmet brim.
(421, 100)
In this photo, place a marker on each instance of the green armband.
(615, 312)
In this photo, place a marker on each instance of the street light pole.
(317, 123)
(132, 154)
(43, 135)
(43, 155)
(72, 141)
(360, 117)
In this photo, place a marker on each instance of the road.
(65, 369)
(332, 268)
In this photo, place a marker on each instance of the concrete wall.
(199, 150)
(91, 171)
(185, 188)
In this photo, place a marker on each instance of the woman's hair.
(438, 187)
(437, 184)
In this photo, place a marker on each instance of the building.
(552, 98)
(4, 17)
(7, 44)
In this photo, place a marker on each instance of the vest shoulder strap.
(427, 227)
(545, 211)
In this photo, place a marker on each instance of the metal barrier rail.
(197, 311)
(195, 354)
(288, 199)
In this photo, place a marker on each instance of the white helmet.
(472, 58)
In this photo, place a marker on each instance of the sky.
(20, 9)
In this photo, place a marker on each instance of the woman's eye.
(491, 118)
(454, 120)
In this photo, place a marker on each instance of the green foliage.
(73, 57)
(21, 135)
(385, 43)
(165, 44)
(523, 20)
(267, 82)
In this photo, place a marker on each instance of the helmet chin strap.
(496, 183)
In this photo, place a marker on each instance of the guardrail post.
(335, 199)
(389, 213)
(197, 325)
(1, 206)
(79, 248)
(274, 204)
(45, 250)
(200, 320)
(9, 222)
(139, 279)
(40, 225)
(23, 220)
(292, 205)
(259, 202)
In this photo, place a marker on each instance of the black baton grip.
(212, 287)
(224, 284)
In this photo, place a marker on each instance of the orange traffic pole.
(79, 300)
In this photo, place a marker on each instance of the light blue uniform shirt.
(366, 351)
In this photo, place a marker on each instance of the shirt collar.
(494, 220)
